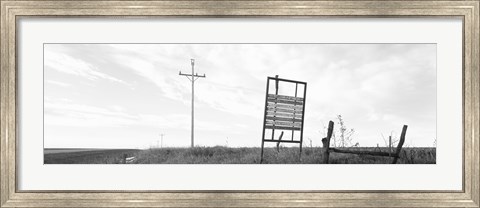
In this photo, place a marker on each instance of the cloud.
(228, 86)
(64, 63)
(167, 83)
(64, 112)
(61, 84)
(61, 112)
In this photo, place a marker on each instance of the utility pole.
(192, 77)
(161, 142)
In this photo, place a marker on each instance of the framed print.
(239, 103)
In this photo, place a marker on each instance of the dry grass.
(245, 155)
(88, 157)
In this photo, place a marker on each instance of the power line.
(192, 77)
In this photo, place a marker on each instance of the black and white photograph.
(239, 103)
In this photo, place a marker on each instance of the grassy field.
(225, 155)
(85, 156)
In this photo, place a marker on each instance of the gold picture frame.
(11, 10)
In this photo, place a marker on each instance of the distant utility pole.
(161, 136)
(192, 77)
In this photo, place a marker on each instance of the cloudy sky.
(126, 95)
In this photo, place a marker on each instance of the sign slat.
(284, 97)
(283, 127)
(281, 110)
(290, 102)
(285, 115)
(271, 118)
(279, 105)
(284, 123)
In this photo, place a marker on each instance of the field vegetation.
(85, 156)
(245, 155)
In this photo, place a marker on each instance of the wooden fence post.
(278, 143)
(326, 143)
(390, 145)
(124, 159)
(400, 144)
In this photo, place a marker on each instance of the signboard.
(284, 113)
